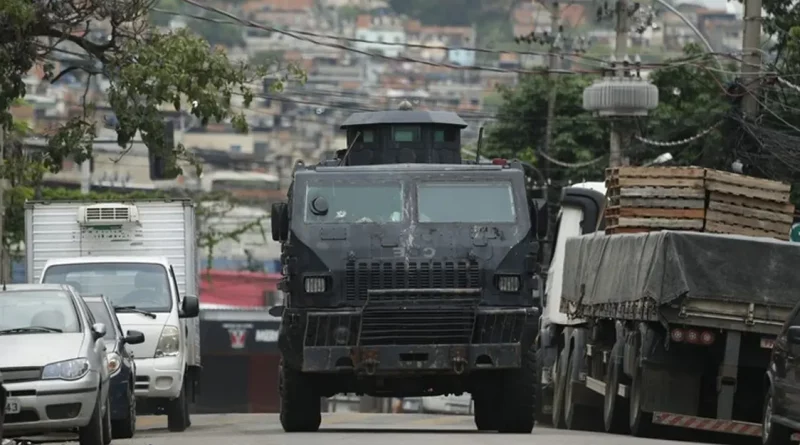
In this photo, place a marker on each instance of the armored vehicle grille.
(363, 276)
(420, 323)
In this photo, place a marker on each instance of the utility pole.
(751, 60)
(5, 264)
(554, 64)
(620, 50)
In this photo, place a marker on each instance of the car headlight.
(114, 363)
(314, 285)
(169, 344)
(67, 370)
(508, 283)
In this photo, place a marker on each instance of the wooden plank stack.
(750, 206)
(643, 199)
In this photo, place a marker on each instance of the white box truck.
(142, 255)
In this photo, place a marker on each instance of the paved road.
(358, 429)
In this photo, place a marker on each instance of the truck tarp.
(667, 265)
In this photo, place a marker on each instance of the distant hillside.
(454, 12)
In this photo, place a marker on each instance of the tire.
(773, 433)
(559, 387)
(486, 414)
(541, 417)
(576, 417)
(519, 396)
(615, 408)
(178, 411)
(300, 407)
(641, 423)
(92, 433)
(126, 428)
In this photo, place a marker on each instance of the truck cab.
(141, 257)
(581, 213)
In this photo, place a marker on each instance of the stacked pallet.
(643, 199)
(745, 205)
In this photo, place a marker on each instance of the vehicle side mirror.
(276, 311)
(98, 331)
(793, 335)
(190, 307)
(540, 218)
(134, 337)
(279, 221)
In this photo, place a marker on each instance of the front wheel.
(773, 433)
(300, 407)
(178, 411)
(125, 428)
(518, 409)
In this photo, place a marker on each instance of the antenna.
(346, 153)
(478, 148)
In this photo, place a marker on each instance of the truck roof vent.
(107, 214)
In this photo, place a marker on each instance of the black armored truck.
(408, 272)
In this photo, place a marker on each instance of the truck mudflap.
(713, 425)
(376, 360)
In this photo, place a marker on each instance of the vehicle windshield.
(101, 315)
(37, 312)
(466, 202)
(140, 285)
(355, 203)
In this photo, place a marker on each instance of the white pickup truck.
(142, 256)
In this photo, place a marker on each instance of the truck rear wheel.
(518, 410)
(641, 423)
(559, 387)
(300, 406)
(615, 408)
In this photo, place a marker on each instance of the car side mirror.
(793, 335)
(98, 331)
(276, 311)
(279, 221)
(190, 307)
(134, 337)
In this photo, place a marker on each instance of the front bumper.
(51, 405)
(159, 377)
(341, 341)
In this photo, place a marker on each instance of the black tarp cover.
(664, 266)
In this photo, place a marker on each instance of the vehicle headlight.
(67, 370)
(314, 285)
(114, 363)
(508, 283)
(169, 344)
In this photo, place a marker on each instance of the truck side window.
(555, 237)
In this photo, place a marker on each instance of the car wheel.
(773, 433)
(126, 428)
(107, 437)
(177, 412)
(92, 433)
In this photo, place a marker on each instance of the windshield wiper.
(29, 329)
(134, 310)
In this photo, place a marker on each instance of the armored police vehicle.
(408, 273)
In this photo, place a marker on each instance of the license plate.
(13, 406)
(767, 343)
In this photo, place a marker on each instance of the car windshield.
(101, 315)
(37, 312)
(467, 202)
(140, 285)
(354, 203)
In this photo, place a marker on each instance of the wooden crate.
(744, 205)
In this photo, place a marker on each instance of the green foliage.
(146, 68)
(522, 119)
